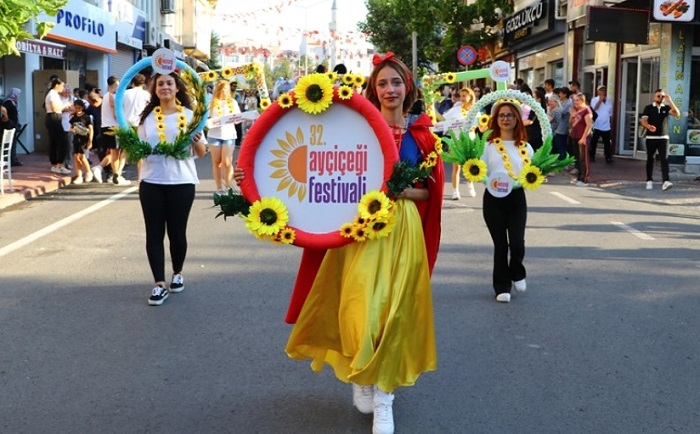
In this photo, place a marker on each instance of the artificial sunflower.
(359, 233)
(526, 161)
(157, 109)
(182, 125)
(287, 235)
(380, 228)
(523, 151)
(531, 177)
(346, 230)
(333, 76)
(255, 67)
(474, 170)
(267, 216)
(359, 80)
(227, 73)
(160, 126)
(508, 165)
(360, 221)
(431, 159)
(348, 79)
(265, 103)
(285, 100)
(438, 143)
(484, 120)
(161, 136)
(374, 205)
(210, 76)
(345, 92)
(498, 142)
(159, 117)
(450, 77)
(314, 93)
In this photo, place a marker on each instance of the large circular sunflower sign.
(310, 158)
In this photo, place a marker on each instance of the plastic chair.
(5, 156)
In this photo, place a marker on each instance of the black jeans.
(166, 207)
(57, 146)
(607, 147)
(655, 145)
(506, 218)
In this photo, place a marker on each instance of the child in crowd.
(81, 127)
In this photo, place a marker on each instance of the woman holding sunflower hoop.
(222, 138)
(504, 205)
(167, 187)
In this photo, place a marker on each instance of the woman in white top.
(167, 184)
(54, 110)
(223, 138)
(507, 152)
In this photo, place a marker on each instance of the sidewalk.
(34, 178)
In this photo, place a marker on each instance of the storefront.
(130, 23)
(537, 40)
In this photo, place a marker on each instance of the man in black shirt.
(654, 119)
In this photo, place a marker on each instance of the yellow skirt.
(369, 313)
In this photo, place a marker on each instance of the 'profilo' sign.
(530, 20)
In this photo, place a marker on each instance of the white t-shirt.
(219, 108)
(494, 159)
(159, 169)
(65, 116)
(52, 97)
(602, 122)
(109, 119)
(135, 100)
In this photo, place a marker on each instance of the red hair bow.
(377, 59)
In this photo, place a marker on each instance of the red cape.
(429, 210)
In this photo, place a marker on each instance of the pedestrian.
(237, 98)
(373, 299)
(67, 141)
(54, 111)
(533, 128)
(441, 107)
(167, 186)
(506, 151)
(135, 101)
(459, 110)
(11, 120)
(654, 119)
(115, 158)
(222, 138)
(82, 134)
(581, 123)
(95, 111)
(601, 125)
(560, 128)
(549, 88)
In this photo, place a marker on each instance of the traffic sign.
(466, 55)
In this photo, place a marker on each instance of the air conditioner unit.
(151, 35)
(167, 6)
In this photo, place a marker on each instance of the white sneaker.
(650, 185)
(520, 285)
(503, 297)
(78, 180)
(472, 192)
(363, 398)
(667, 185)
(89, 176)
(456, 195)
(177, 284)
(64, 171)
(97, 173)
(121, 181)
(581, 184)
(383, 413)
(55, 169)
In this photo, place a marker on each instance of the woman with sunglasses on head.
(507, 152)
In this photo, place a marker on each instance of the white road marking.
(565, 198)
(64, 222)
(633, 231)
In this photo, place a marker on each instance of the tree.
(213, 61)
(442, 26)
(16, 14)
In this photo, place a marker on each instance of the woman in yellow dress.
(369, 313)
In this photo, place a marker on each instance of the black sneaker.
(178, 283)
(158, 296)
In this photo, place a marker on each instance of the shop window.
(556, 72)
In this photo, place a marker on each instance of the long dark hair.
(182, 95)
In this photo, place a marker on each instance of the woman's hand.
(239, 175)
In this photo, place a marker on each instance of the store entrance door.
(640, 78)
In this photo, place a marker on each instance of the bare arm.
(674, 110)
(415, 194)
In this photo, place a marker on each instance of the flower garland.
(229, 105)
(138, 149)
(522, 150)
(160, 120)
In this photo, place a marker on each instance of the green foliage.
(461, 147)
(213, 61)
(231, 203)
(405, 175)
(548, 162)
(16, 14)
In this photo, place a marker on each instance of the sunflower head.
(332, 76)
(227, 73)
(347, 230)
(531, 177)
(359, 233)
(287, 235)
(450, 77)
(265, 103)
(358, 80)
(210, 76)
(484, 120)
(267, 216)
(161, 136)
(314, 93)
(474, 170)
(380, 228)
(285, 100)
(374, 205)
(347, 79)
(345, 92)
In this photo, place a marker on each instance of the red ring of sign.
(256, 134)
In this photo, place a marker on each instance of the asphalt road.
(605, 340)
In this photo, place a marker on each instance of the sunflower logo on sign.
(291, 164)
